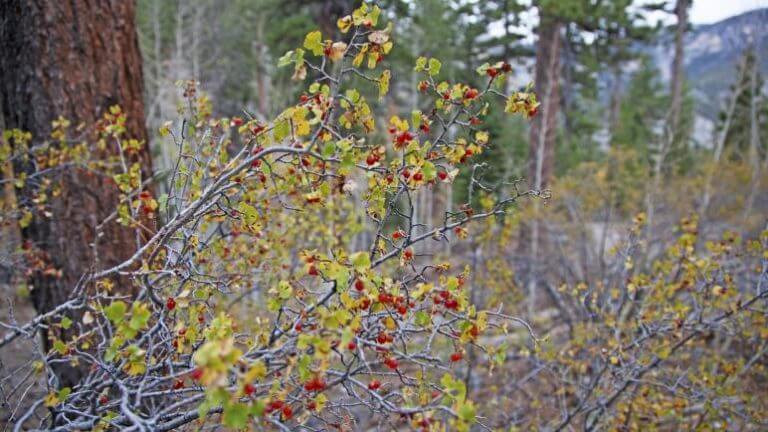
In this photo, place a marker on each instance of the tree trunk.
(672, 127)
(547, 82)
(676, 86)
(541, 153)
(73, 59)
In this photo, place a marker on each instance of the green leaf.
(384, 83)
(329, 149)
(284, 290)
(434, 66)
(281, 130)
(140, 314)
(422, 318)
(115, 312)
(466, 412)
(65, 323)
(361, 261)
(286, 59)
(236, 415)
(421, 64)
(60, 347)
(429, 171)
(314, 42)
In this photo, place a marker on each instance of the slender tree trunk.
(73, 59)
(543, 127)
(678, 77)
(754, 138)
(672, 126)
(720, 139)
(542, 137)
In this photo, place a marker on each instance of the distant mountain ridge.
(712, 52)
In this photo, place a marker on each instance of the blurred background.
(654, 107)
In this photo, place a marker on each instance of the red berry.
(171, 303)
(374, 385)
(382, 338)
(287, 412)
(103, 400)
(418, 176)
(371, 159)
(492, 72)
(452, 304)
(470, 94)
(352, 346)
(178, 384)
(359, 285)
(442, 175)
(457, 356)
(298, 326)
(474, 331)
(391, 363)
(312, 271)
(402, 309)
(248, 389)
(196, 374)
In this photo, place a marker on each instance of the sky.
(709, 11)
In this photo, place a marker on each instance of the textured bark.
(73, 59)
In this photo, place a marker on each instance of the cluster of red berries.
(470, 93)
(146, 200)
(444, 297)
(494, 72)
(391, 363)
(384, 337)
(315, 384)
(279, 405)
(408, 254)
(372, 158)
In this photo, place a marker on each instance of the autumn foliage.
(288, 285)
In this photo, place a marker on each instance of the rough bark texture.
(74, 59)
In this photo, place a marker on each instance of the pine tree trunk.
(547, 81)
(541, 153)
(73, 59)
